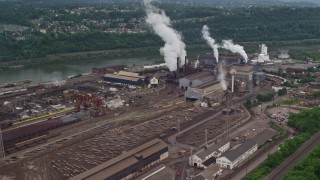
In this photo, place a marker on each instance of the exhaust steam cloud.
(211, 42)
(174, 46)
(221, 77)
(235, 48)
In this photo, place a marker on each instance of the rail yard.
(69, 129)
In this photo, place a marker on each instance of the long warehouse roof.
(123, 161)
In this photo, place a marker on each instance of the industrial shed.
(214, 150)
(124, 80)
(129, 163)
(196, 79)
(202, 91)
(233, 158)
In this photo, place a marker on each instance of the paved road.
(234, 102)
(290, 162)
(254, 164)
(262, 156)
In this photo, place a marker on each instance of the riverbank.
(193, 52)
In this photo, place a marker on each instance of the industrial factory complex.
(121, 122)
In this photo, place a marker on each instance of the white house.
(234, 157)
(202, 158)
(154, 81)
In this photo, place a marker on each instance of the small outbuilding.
(205, 155)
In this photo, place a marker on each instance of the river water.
(60, 71)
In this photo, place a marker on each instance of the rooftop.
(246, 68)
(244, 147)
(125, 160)
(211, 170)
(198, 75)
(211, 148)
(135, 79)
(129, 74)
(159, 173)
(208, 84)
(264, 136)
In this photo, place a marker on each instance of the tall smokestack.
(178, 67)
(232, 83)
(185, 67)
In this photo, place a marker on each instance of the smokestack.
(206, 137)
(185, 67)
(178, 67)
(232, 83)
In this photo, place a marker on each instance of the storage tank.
(259, 77)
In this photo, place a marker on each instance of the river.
(60, 71)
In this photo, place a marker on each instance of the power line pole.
(5, 33)
(179, 127)
(206, 137)
(2, 152)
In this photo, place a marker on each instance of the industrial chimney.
(178, 67)
(185, 67)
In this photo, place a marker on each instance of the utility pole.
(5, 33)
(2, 152)
(179, 127)
(206, 137)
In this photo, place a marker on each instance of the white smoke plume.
(235, 48)
(174, 46)
(221, 77)
(210, 41)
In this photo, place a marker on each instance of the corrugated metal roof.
(199, 75)
(264, 136)
(126, 159)
(125, 73)
(211, 148)
(207, 84)
(235, 153)
(135, 79)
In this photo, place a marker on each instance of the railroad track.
(290, 162)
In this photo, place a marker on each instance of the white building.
(284, 55)
(202, 158)
(233, 158)
(263, 56)
(154, 81)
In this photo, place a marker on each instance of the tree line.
(256, 24)
(307, 123)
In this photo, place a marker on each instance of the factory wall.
(212, 89)
(259, 77)
(247, 78)
(184, 83)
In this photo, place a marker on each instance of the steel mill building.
(196, 79)
(125, 78)
(207, 90)
(129, 163)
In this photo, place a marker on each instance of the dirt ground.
(214, 127)
(144, 123)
